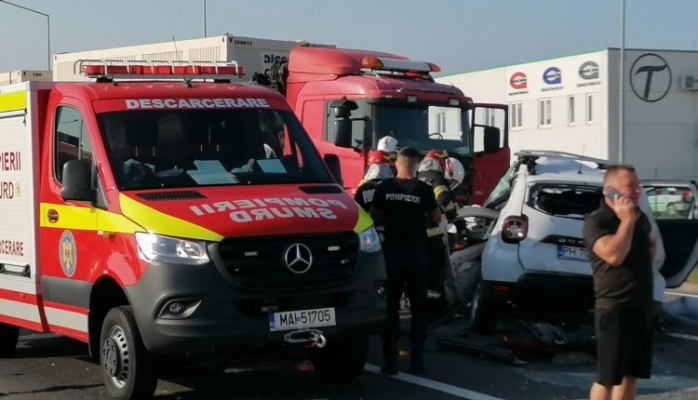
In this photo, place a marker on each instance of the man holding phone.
(621, 248)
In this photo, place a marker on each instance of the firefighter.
(432, 170)
(403, 204)
(380, 167)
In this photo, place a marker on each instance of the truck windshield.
(424, 127)
(150, 149)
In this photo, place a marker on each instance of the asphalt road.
(49, 367)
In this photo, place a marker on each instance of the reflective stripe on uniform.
(13, 101)
(364, 222)
(435, 231)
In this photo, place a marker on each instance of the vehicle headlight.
(168, 249)
(369, 241)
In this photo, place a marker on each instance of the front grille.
(257, 264)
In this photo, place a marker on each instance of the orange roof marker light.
(154, 70)
(394, 64)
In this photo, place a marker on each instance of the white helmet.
(454, 172)
(388, 144)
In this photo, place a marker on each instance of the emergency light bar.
(218, 70)
(392, 64)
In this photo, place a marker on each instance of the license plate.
(282, 321)
(572, 253)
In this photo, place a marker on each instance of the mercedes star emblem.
(298, 258)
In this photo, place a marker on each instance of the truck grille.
(257, 264)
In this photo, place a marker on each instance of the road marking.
(682, 336)
(434, 385)
(681, 294)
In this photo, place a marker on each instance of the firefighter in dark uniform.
(402, 204)
(381, 166)
(431, 170)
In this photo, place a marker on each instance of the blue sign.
(552, 76)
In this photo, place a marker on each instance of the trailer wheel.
(9, 335)
(484, 313)
(341, 361)
(128, 368)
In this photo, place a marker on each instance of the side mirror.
(332, 161)
(343, 107)
(342, 133)
(491, 139)
(77, 182)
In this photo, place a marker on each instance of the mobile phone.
(612, 193)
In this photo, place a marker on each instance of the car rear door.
(678, 226)
(556, 212)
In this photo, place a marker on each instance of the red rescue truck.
(389, 94)
(148, 214)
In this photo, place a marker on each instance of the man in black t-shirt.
(402, 204)
(621, 249)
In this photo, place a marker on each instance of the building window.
(590, 108)
(544, 112)
(515, 115)
(570, 110)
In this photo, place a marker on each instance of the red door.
(491, 154)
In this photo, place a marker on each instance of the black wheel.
(484, 313)
(128, 368)
(341, 361)
(9, 335)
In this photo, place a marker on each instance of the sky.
(458, 35)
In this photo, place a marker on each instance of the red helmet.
(439, 155)
(380, 157)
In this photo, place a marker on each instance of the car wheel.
(128, 368)
(9, 335)
(484, 312)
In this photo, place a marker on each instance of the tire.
(9, 335)
(484, 313)
(128, 368)
(341, 361)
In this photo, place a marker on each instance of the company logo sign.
(552, 76)
(589, 70)
(271, 58)
(650, 77)
(298, 258)
(518, 81)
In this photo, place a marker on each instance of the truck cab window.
(71, 141)
(357, 127)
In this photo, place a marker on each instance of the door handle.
(52, 216)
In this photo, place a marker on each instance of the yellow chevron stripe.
(164, 224)
(13, 101)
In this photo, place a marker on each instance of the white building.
(254, 54)
(24, 75)
(572, 104)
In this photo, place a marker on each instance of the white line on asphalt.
(683, 336)
(441, 387)
(681, 294)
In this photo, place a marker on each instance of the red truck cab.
(388, 94)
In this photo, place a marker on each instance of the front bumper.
(225, 316)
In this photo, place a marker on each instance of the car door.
(673, 203)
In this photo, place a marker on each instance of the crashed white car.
(533, 259)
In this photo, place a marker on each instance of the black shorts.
(624, 344)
